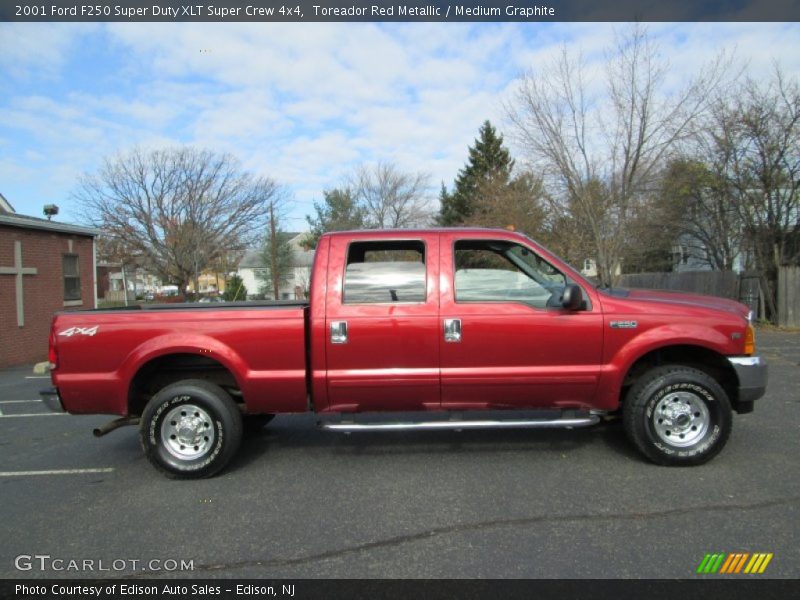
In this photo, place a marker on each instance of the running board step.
(469, 424)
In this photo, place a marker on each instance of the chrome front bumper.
(752, 374)
(51, 399)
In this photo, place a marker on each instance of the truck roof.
(421, 231)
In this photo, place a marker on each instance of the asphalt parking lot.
(301, 502)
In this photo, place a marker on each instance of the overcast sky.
(301, 103)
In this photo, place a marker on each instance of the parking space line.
(18, 401)
(37, 377)
(54, 472)
(50, 414)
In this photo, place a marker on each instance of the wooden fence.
(726, 284)
(713, 283)
(789, 296)
(744, 287)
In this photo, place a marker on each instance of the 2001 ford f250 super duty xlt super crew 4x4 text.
(445, 324)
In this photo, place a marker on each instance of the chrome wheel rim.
(187, 432)
(681, 419)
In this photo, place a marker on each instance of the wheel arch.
(171, 366)
(702, 358)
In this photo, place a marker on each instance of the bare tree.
(755, 139)
(179, 209)
(602, 145)
(695, 207)
(391, 198)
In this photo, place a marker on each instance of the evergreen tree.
(339, 211)
(276, 257)
(489, 161)
(234, 289)
(448, 215)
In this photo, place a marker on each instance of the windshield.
(569, 278)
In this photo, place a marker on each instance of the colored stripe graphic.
(765, 563)
(754, 564)
(741, 562)
(732, 563)
(703, 563)
(734, 558)
(713, 563)
(727, 564)
(718, 564)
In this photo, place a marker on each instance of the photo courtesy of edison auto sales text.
(141, 590)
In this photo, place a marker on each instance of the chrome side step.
(468, 424)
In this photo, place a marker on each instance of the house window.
(72, 279)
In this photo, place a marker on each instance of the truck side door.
(382, 323)
(506, 340)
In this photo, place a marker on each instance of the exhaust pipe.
(115, 424)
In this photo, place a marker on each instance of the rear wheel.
(677, 416)
(191, 429)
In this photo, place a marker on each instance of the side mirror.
(572, 298)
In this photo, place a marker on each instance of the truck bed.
(263, 344)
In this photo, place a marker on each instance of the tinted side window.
(385, 272)
(488, 271)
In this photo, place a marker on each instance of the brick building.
(45, 266)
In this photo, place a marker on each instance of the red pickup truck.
(449, 327)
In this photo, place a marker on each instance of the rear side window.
(385, 272)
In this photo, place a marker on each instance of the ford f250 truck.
(450, 327)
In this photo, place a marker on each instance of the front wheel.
(677, 416)
(191, 429)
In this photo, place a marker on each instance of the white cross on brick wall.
(19, 271)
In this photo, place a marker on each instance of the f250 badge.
(80, 330)
(624, 324)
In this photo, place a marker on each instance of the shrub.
(234, 289)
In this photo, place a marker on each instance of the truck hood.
(697, 300)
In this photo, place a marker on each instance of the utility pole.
(273, 238)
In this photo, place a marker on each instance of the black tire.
(677, 416)
(196, 442)
(254, 423)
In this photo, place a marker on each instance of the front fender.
(656, 338)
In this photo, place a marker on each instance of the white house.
(297, 283)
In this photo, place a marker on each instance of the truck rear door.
(382, 323)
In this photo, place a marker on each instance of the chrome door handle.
(338, 332)
(452, 330)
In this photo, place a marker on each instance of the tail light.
(52, 351)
